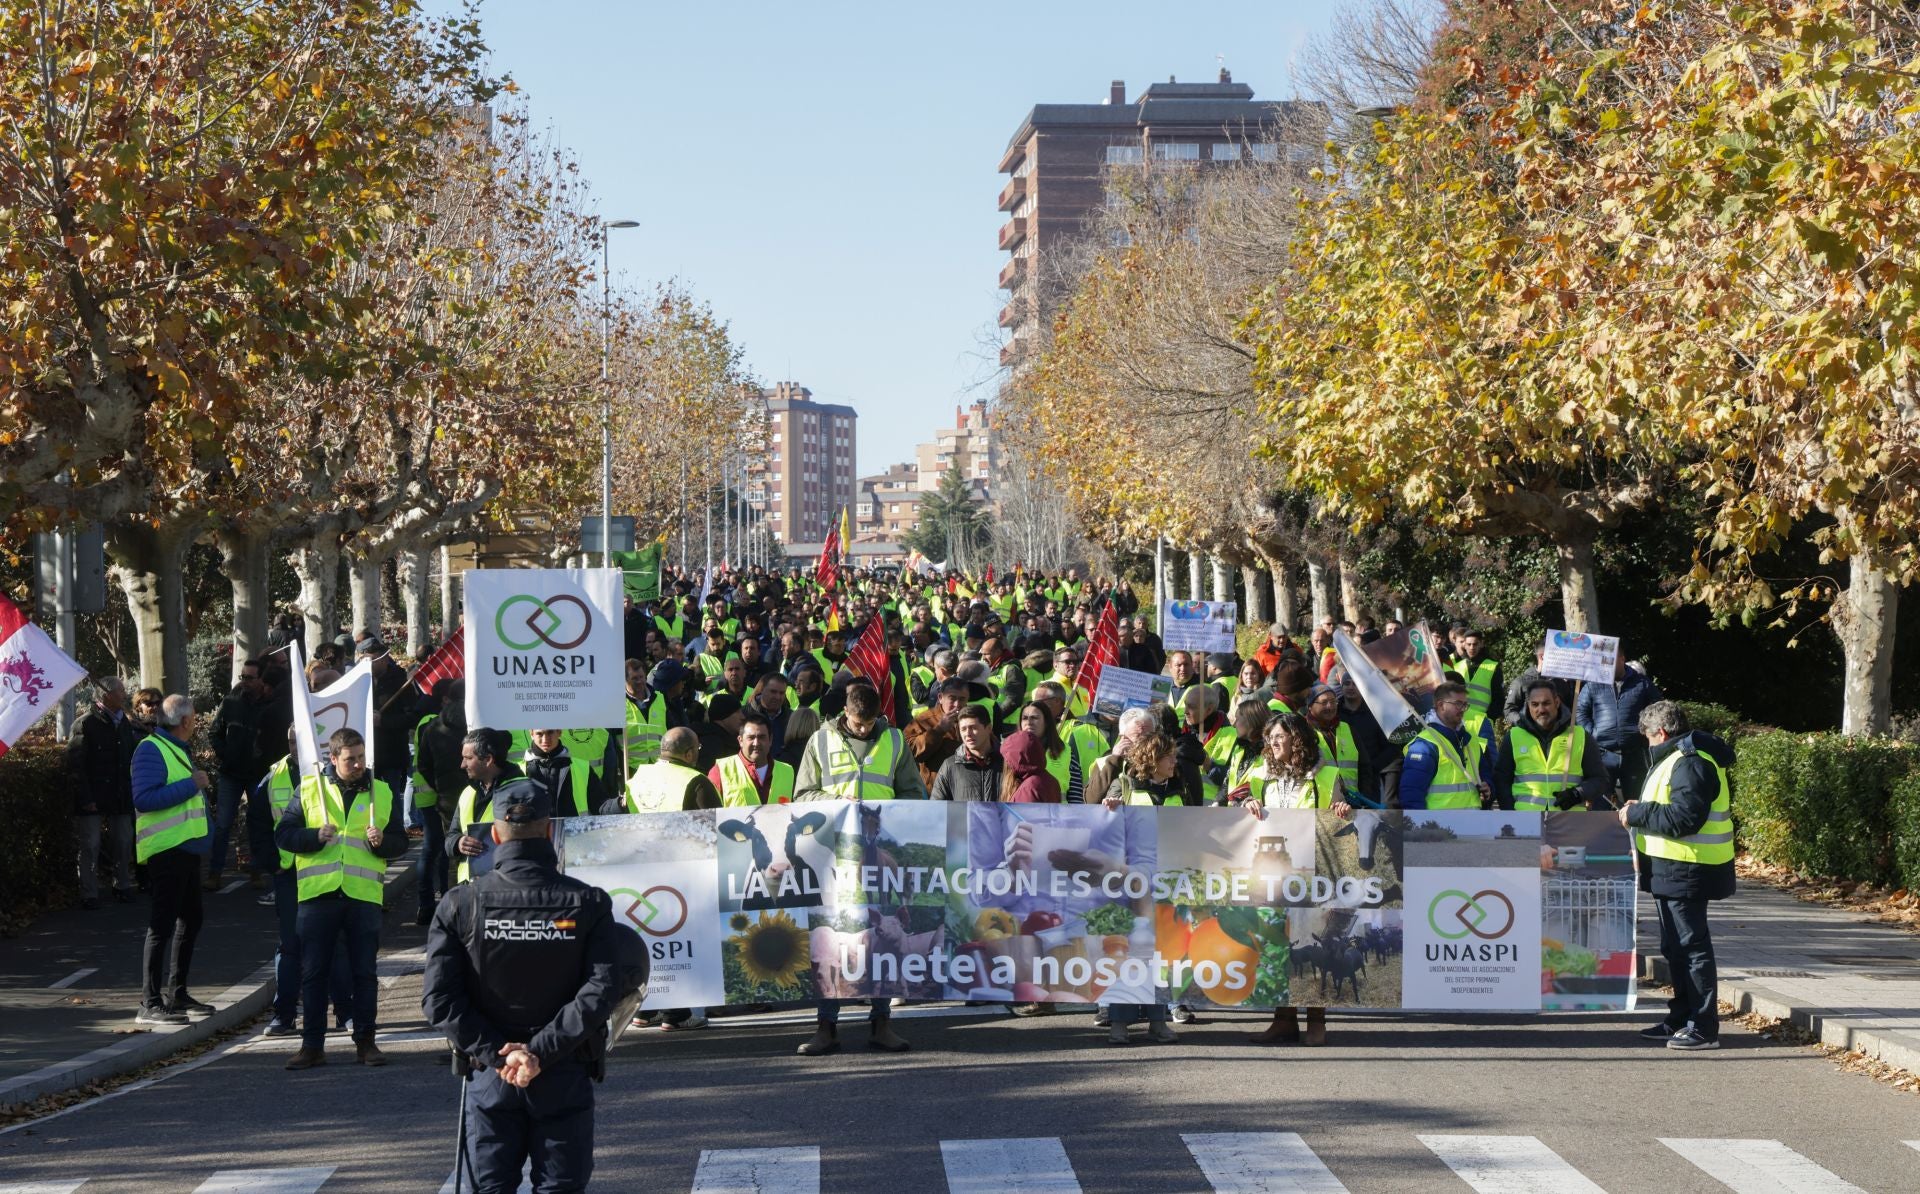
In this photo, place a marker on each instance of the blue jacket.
(152, 792)
(1610, 714)
(1422, 761)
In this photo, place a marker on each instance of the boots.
(306, 1059)
(881, 1036)
(368, 1052)
(826, 1039)
(1285, 1029)
(1316, 1026)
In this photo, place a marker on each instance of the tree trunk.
(449, 606)
(1285, 610)
(1579, 597)
(1321, 582)
(1222, 580)
(244, 556)
(415, 565)
(317, 564)
(1349, 590)
(366, 593)
(1193, 577)
(150, 564)
(1256, 610)
(1864, 621)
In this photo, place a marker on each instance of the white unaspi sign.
(544, 649)
(1199, 625)
(1577, 655)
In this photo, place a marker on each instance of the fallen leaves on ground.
(1893, 906)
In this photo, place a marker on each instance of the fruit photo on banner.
(1226, 886)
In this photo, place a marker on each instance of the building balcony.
(1012, 351)
(1011, 272)
(1011, 193)
(1013, 232)
(1013, 313)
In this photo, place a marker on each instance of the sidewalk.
(1851, 982)
(69, 988)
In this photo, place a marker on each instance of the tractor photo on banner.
(544, 648)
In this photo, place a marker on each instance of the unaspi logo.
(658, 912)
(525, 622)
(531, 928)
(1454, 915)
(328, 719)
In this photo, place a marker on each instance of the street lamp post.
(606, 389)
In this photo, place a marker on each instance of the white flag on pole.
(347, 703)
(1396, 717)
(34, 674)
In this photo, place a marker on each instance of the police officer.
(525, 967)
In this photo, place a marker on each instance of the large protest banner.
(1199, 625)
(1212, 907)
(545, 648)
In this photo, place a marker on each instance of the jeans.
(1688, 949)
(322, 923)
(226, 806)
(172, 926)
(550, 1123)
(1123, 1014)
(433, 856)
(829, 1011)
(287, 962)
(87, 831)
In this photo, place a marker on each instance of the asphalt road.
(989, 1103)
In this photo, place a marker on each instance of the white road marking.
(1261, 1163)
(267, 1181)
(393, 967)
(1509, 1165)
(1034, 1166)
(43, 1187)
(73, 978)
(232, 887)
(1760, 1167)
(758, 1171)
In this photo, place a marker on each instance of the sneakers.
(158, 1016)
(191, 1007)
(368, 1053)
(1182, 1014)
(266, 899)
(825, 1040)
(1117, 1034)
(1162, 1034)
(881, 1036)
(697, 1020)
(1689, 1040)
(1102, 1016)
(306, 1059)
(1661, 1032)
(281, 1028)
(1033, 1009)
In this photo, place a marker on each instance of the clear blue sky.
(823, 173)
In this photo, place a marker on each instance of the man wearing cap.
(933, 737)
(671, 679)
(720, 732)
(525, 970)
(342, 826)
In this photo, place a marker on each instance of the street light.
(606, 390)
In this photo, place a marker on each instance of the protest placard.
(1122, 689)
(1199, 625)
(1576, 655)
(545, 649)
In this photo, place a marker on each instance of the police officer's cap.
(521, 801)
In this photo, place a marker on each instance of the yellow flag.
(833, 617)
(846, 538)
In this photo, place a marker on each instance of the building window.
(1226, 151)
(1302, 155)
(1125, 155)
(1176, 151)
(1266, 153)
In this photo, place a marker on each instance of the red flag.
(447, 663)
(34, 674)
(868, 656)
(1102, 649)
(826, 571)
(989, 573)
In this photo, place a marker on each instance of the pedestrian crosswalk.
(1226, 1163)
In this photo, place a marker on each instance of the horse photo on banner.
(545, 648)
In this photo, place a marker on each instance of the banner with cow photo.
(1210, 907)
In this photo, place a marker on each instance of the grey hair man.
(171, 836)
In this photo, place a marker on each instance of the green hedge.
(1826, 804)
(1715, 719)
(36, 806)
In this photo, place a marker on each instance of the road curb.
(1827, 1026)
(233, 1006)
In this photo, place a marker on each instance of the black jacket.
(437, 757)
(1691, 793)
(235, 738)
(554, 774)
(554, 990)
(393, 736)
(100, 762)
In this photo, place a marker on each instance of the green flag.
(641, 571)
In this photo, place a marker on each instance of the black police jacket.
(525, 954)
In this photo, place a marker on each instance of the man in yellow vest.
(672, 783)
(341, 826)
(1480, 675)
(1549, 763)
(753, 776)
(1445, 767)
(646, 719)
(857, 756)
(1684, 824)
(277, 790)
(483, 756)
(170, 839)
